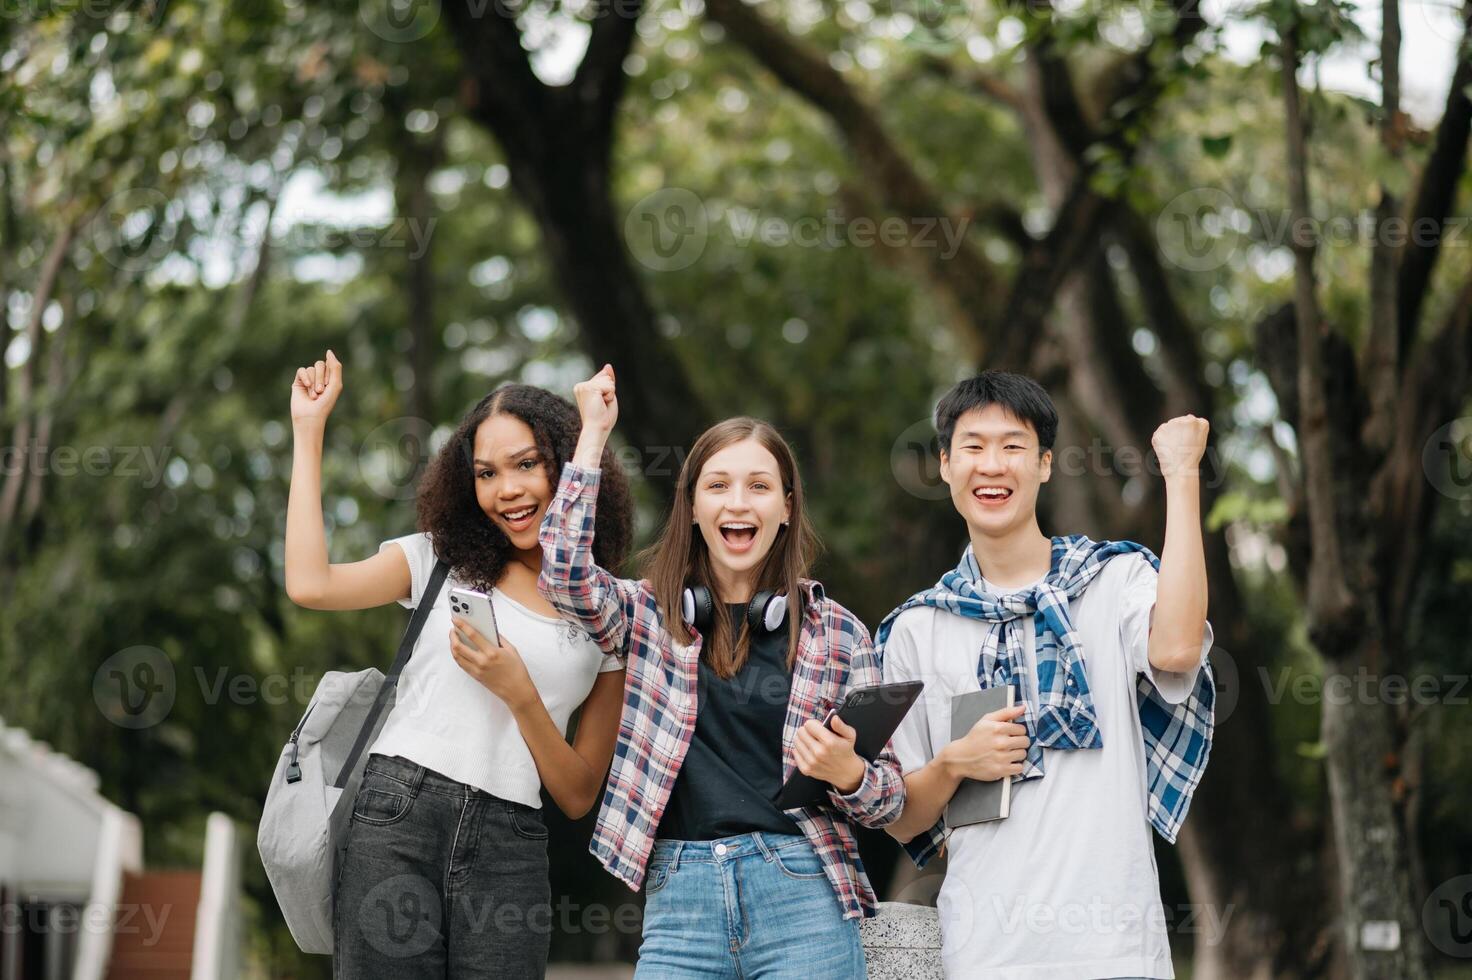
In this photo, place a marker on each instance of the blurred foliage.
(173, 138)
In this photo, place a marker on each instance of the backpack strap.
(391, 680)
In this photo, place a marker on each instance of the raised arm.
(581, 591)
(311, 581)
(1179, 621)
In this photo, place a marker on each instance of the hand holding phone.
(475, 607)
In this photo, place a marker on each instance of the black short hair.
(1019, 395)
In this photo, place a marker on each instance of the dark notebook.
(976, 800)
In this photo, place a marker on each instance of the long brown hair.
(680, 556)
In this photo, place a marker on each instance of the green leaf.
(1216, 147)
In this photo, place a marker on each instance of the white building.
(76, 901)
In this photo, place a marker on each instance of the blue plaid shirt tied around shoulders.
(1177, 737)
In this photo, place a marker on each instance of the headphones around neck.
(767, 610)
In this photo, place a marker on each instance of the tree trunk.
(557, 141)
(415, 204)
(1379, 925)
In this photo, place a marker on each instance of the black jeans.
(439, 880)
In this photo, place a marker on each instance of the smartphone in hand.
(475, 607)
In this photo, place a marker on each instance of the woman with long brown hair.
(734, 657)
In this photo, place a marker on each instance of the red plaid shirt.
(834, 654)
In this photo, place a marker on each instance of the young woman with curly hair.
(445, 871)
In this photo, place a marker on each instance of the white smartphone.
(475, 607)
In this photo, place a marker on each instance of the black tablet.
(874, 712)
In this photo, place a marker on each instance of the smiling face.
(739, 506)
(994, 470)
(511, 482)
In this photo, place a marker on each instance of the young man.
(1113, 716)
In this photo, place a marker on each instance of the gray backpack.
(305, 820)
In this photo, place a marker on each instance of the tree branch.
(1431, 394)
(967, 277)
(25, 388)
(1435, 196)
(1381, 360)
(600, 81)
(504, 93)
(1331, 605)
(1180, 350)
(977, 81)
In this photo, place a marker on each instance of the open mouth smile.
(991, 496)
(738, 535)
(519, 519)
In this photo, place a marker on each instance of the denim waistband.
(418, 778)
(755, 844)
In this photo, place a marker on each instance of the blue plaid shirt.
(1177, 737)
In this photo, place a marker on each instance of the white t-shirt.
(1065, 887)
(447, 721)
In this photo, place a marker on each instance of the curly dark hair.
(464, 538)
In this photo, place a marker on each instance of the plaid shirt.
(1177, 737)
(834, 654)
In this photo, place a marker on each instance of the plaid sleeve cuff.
(923, 847)
(581, 478)
(869, 804)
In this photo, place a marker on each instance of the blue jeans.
(752, 907)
